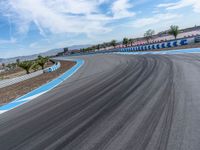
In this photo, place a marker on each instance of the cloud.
(64, 16)
(120, 9)
(181, 4)
(10, 41)
(155, 19)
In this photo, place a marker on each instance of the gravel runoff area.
(14, 91)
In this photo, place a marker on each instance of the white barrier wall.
(12, 81)
(156, 46)
(53, 68)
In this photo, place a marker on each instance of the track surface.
(114, 102)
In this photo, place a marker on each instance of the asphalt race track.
(114, 102)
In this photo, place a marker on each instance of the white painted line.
(2, 111)
(29, 98)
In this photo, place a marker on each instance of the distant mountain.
(1, 59)
(78, 47)
(31, 57)
(52, 52)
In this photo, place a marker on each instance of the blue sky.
(34, 26)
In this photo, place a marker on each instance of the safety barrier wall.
(157, 46)
(52, 68)
(12, 81)
(97, 52)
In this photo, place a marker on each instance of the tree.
(131, 41)
(17, 61)
(113, 43)
(149, 34)
(87, 49)
(26, 65)
(82, 50)
(66, 50)
(42, 61)
(13, 65)
(3, 65)
(104, 45)
(174, 30)
(98, 47)
(93, 47)
(9, 66)
(125, 41)
(35, 66)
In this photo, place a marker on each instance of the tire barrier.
(197, 39)
(157, 46)
(52, 68)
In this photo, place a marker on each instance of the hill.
(52, 52)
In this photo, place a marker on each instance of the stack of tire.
(197, 39)
(52, 68)
(162, 45)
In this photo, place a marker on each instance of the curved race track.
(114, 102)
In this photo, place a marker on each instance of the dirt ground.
(12, 92)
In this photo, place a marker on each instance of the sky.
(34, 26)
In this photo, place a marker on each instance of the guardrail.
(52, 68)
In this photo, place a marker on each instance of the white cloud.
(181, 4)
(33, 45)
(120, 9)
(10, 41)
(74, 6)
(155, 19)
(63, 16)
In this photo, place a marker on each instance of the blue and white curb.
(182, 51)
(42, 89)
